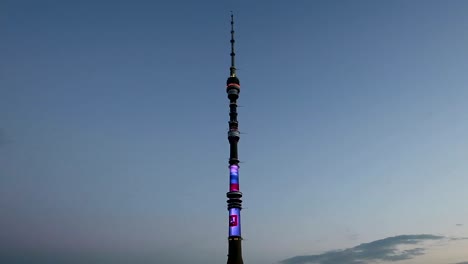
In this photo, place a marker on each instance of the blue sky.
(114, 118)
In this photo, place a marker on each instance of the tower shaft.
(234, 202)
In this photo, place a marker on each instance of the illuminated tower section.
(234, 202)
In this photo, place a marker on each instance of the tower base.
(235, 251)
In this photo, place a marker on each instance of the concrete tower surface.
(234, 202)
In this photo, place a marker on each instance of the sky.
(113, 131)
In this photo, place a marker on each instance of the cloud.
(458, 238)
(380, 250)
(459, 224)
(464, 262)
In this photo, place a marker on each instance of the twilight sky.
(113, 131)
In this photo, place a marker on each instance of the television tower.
(234, 202)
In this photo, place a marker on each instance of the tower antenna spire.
(233, 54)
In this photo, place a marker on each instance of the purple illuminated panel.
(234, 222)
(234, 178)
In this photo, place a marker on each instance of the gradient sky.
(113, 128)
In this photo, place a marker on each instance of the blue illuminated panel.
(234, 222)
(234, 178)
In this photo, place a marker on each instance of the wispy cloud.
(380, 250)
(458, 238)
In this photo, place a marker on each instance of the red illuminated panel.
(234, 187)
(233, 84)
(233, 220)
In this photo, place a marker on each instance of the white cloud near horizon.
(391, 249)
